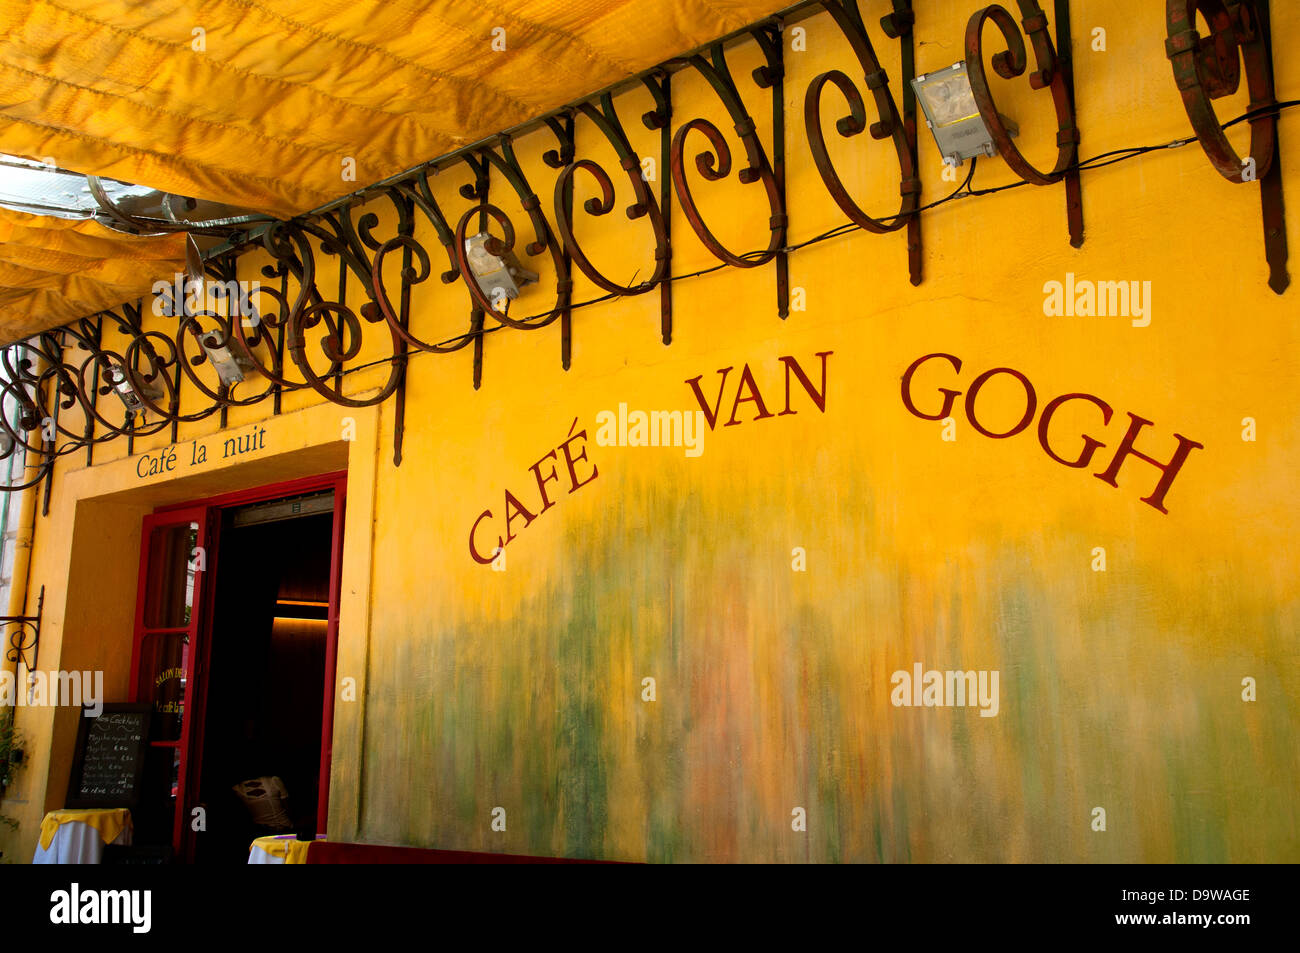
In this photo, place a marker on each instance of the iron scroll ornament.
(889, 124)
(25, 639)
(1208, 68)
(1010, 63)
(508, 165)
(644, 206)
(715, 164)
(342, 327)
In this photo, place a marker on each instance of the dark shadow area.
(265, 683)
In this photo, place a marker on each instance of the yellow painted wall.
(1119, 689)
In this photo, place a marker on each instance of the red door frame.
(193, 634)
(331, 656)
(195, 690)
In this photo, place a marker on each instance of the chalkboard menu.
(109, 760)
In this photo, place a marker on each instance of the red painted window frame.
(175, 516)
(206, 512)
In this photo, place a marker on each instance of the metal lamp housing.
(121, 384)
(953, 116)
(231, 368)
(497, 274)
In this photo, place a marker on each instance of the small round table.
(278, 849)
(78, 836)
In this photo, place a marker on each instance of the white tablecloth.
(258, 856)
(76, 843)
(278, 849)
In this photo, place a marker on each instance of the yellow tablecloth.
(108, 821)
(293, 851)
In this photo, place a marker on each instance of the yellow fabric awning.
(53, 270)
(281, 92)
(258, 104)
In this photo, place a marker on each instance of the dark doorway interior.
(265, 685)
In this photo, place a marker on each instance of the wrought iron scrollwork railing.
(339, 283)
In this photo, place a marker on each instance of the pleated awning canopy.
(258, 104)
(53, 271)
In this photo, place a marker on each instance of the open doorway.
(266, 675)
(240, 678)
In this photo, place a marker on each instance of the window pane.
(163, 661)
(169, 588)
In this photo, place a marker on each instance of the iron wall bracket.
(25, 638)
(1210, 67)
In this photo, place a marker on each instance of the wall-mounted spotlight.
(231, 368)
(953, 115)
(496, 269)
(128, 393)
